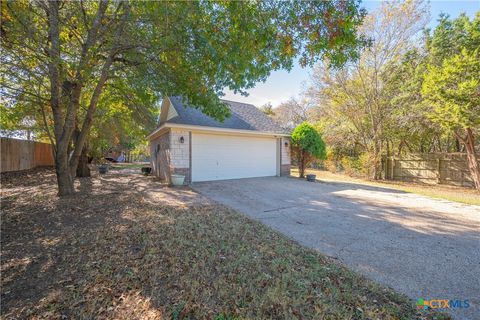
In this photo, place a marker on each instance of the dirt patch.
(127, 247)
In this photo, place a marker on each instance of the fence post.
(384, 165)
(439, 169)
(392, 167)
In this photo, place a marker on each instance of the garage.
(220, 157)
(193, 147)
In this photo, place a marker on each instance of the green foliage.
(407, 121)
(307, 145)
(141, 150)
(452, 91)
(177, 311)
(352, 166)
(451, 36)
(330, 162)
(267, 108)
(355, 102)
(307, 139)
(123, 119)
(11, 118)
(401, 95)
(451, 81)
(200, 48)
(193, 49)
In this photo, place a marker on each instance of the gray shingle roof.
(243, 116)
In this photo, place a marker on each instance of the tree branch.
(53, 66)
(87, 122)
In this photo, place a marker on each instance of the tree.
(307, 145)
(451, 36)
(61, 56)
(355, 98)
(122, 120)
(292, 112)
(267, 108)
(408, 129)
(410, 125)
(450, 87)
(453, 92)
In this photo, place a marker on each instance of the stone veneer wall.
(285, 157)
(180, 153)
(160, 156)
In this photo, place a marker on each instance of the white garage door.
(219, 157)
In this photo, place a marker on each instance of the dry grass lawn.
(451, 193)
(126, 247)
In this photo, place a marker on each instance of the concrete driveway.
(422, 247)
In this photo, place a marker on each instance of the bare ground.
(127, 247)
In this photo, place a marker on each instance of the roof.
(244, 116)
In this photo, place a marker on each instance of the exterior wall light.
(182, 140)
(286, 144)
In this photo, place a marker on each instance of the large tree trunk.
(64, 178)
(377, 162)
(458, 146)
(472, 158)
(83, 170)
(65, 103)
(81, 138)
(301, 163)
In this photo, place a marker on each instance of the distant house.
(188, 142)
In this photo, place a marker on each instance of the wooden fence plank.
(432, 168)
(19, 155)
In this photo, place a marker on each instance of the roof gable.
(243, 117)
(167, 111)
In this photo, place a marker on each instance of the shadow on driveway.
(426, 248)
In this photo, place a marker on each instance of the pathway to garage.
(423, 247)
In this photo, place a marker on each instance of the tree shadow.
(412, 243)
(47, 241)
(128, 247)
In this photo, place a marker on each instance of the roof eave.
(190, 127)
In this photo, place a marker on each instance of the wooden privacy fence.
(22, 154)
(432, 168)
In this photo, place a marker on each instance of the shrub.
(368, 163)
(351, 166)
(307, 145)
(330, 162)
(361, 166)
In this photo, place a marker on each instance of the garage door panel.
(218, 157)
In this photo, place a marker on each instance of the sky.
(281, 85)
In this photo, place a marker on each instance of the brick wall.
(285, 157)
(180, 153)
(173, 156)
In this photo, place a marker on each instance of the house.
(247, 144)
